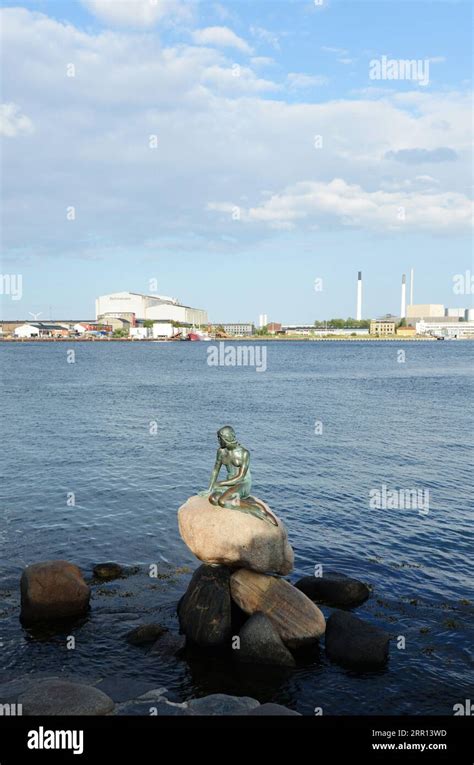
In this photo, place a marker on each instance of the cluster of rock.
(60, 696)
(237, 600)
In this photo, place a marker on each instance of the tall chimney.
(403, 312)
(359, 297)
(412, 285)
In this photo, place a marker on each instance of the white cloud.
(236, 79)
(215, 132)
(12, 122)
(338, 202)
(135, 13)
(262, 61)
(339, 51)
(221, 37)
(264, 35)
(298, 80)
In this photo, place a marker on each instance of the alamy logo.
(466, 709)
(400, 69)
(56, 739)
(237, 355)
(11, 710)
(11, 284)
(400, 499)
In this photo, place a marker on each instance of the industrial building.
(137, 308)
(382, 327)
(449, 329)
(38, 329)
(425, 311)
(236, 329)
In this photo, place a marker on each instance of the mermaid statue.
(233, 492)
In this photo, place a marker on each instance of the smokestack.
(359, 297)
(403, 312)
(412, 285)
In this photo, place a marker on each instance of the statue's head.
(227, 437)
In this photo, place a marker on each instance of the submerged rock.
(145, 633)
(260, 643)
(205, 610)
(352, 642)
(334, 589)
(168, 644)
(59, 697)
(52, 591)
(298, 621)
(233, 538)
(222, 704)
(108, 571)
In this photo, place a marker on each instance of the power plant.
(403, 309)
(359, 297)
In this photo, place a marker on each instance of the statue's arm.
(236, 479)
(216, 471)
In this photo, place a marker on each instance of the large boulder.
(354, 643)
(205, 610)
(260, 643)
(234, 538)
(334, 589)
(53, 590)
(298, 621)
(59, 697)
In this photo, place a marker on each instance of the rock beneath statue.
(234, 538)
(354, 643)
(260, 643)
(205, 610)
(298, 621)
(334, 589)
(53, 591)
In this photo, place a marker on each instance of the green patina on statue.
(233, 493)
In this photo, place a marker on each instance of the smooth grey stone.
(260, 643)
(272, 710)
(158, 708)
(59, 697)
(222, 704)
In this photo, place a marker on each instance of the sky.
(230, 154)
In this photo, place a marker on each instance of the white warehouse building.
(149, 307)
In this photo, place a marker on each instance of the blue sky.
(235, 152)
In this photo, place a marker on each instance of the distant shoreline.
(250, 339)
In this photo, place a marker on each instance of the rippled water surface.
(85, 428)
